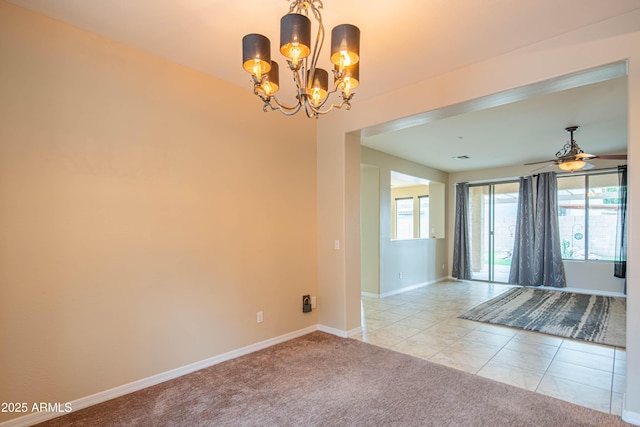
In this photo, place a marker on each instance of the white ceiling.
(403, 42)
(519, 132)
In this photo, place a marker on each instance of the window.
(424, 217)
(404, 218)
(428, 198)
(492, 223)
(588, 216)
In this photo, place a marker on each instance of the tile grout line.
(440, 300)
(492, 357)
(548, 366)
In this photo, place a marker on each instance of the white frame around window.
(423, 232)
(584, 231)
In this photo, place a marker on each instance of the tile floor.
(424, 323)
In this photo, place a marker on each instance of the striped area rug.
(596, 318)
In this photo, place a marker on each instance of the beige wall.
(370, 228)
(403, 264)
(602, 43)
(147, 212)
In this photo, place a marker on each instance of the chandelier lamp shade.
(302, 54)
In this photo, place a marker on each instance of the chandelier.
(312, 83)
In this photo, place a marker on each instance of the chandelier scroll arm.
(284, 109)
(317, 111)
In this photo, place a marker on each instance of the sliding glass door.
(492, 226)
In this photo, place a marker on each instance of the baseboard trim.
(354, 332)
(333, 331)
(134, 386)
(369, 294)
(412, 287)
(405, 289)
(631, 417)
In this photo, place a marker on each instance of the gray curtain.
(522, 260)
(547, 264)
(620, 263)
(461, 255)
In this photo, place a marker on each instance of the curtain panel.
(522, 260)
(461, 253)
(620, 263)
(548, 268)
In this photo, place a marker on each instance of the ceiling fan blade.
(542, 167)
(542, 161)
(612, 156)
(576, 157)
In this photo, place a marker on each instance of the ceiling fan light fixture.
(572, 165)
(571, 157)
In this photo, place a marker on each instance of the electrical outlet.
(400, 275)
(260, 317)
(306, 303)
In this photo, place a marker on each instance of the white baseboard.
(333, 331)
(340, 333)
(412, 287)
(631, 417)
(355, 331)
(370, 294)
(103, 396)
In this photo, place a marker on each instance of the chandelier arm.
(317, 48)
(280, 106)
(345, 102)
(305, 76)
(296, 79)
(284, 109)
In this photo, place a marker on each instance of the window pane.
(571, 216)
(424, 217)
(404, 218)
(504, 226)
(603, 216)
(479, 231)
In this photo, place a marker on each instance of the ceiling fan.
(572, 158)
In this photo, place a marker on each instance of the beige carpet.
(322, 380)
